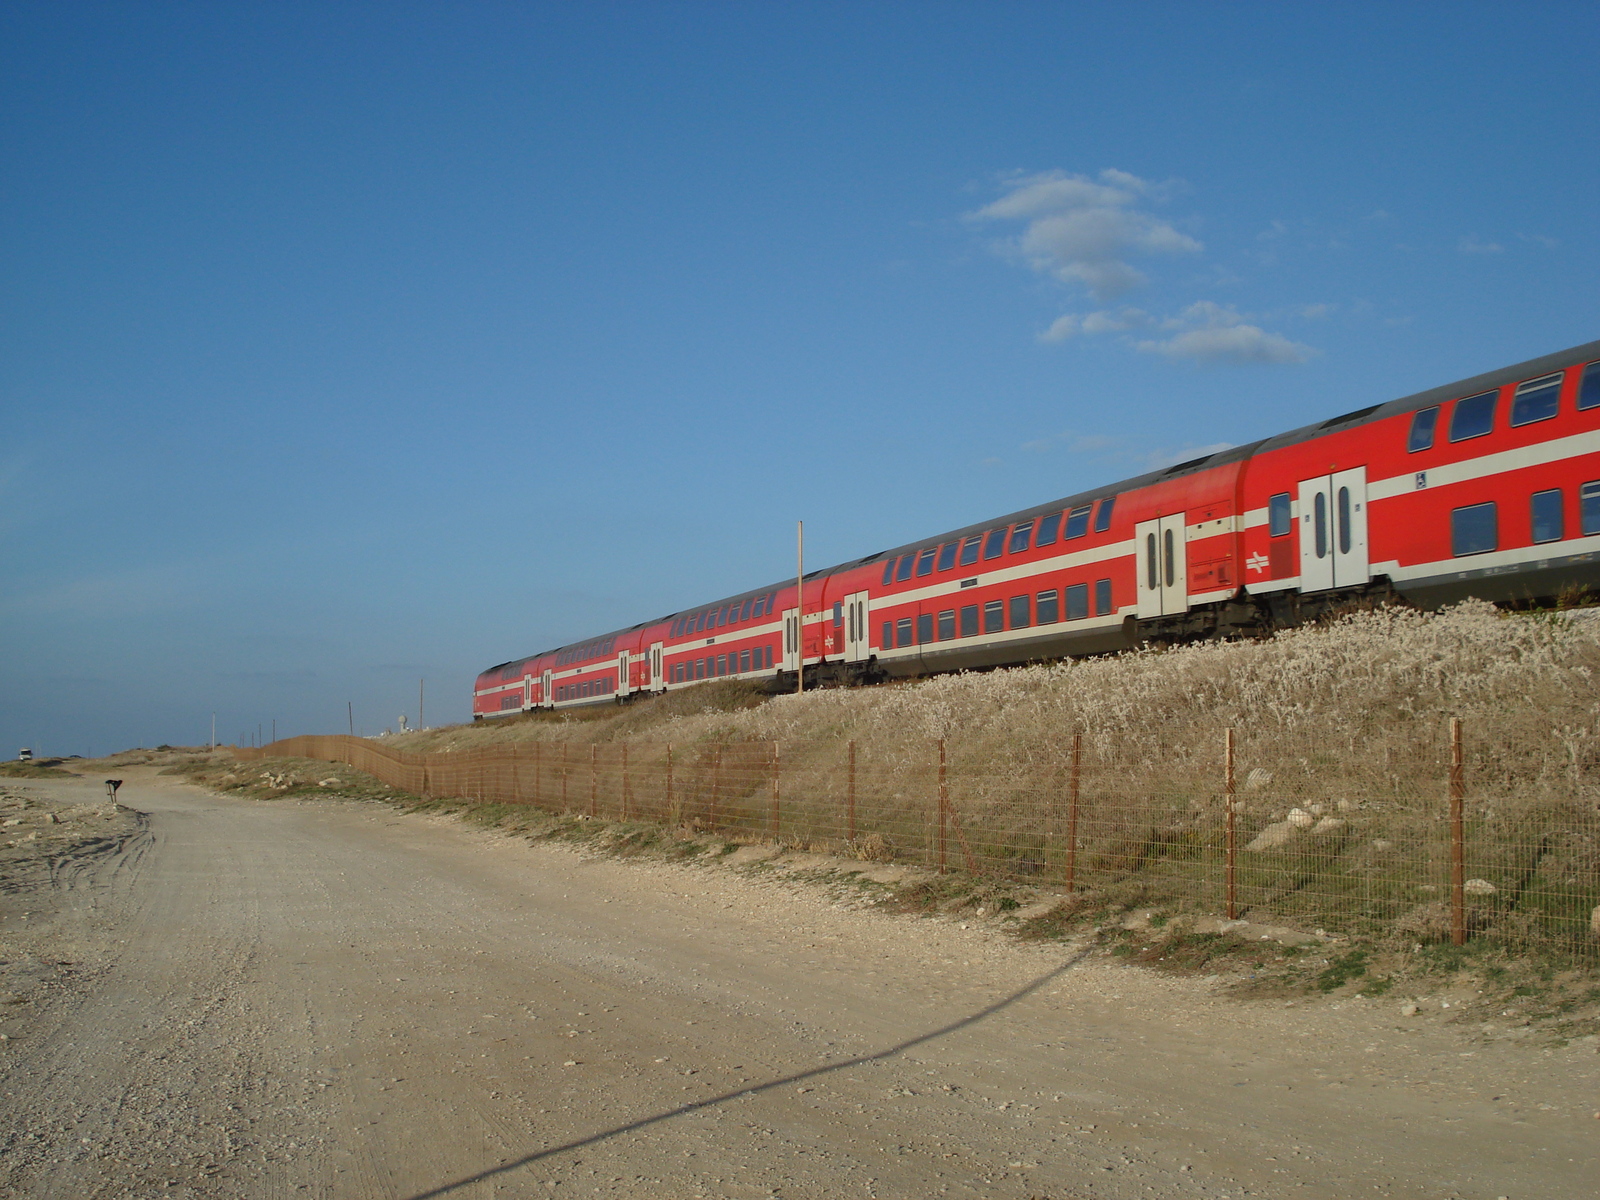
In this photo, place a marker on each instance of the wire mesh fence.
(1437, 840)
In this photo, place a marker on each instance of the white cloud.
(1539, 239)
(1472, 245)
(1106, 321)
(1084, 231)
(1208, 332)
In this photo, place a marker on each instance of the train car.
(1488, 487)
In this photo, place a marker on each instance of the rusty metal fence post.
(944, 807)
(625, 781)
(1072, 812)
(594, 779)
(775, 793)
(672, 808)
(538, 774)
(716, 784)
(1458, 858)
(850, 799)
(564, 773)
(1232, 831)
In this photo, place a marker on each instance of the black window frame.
(1589, 508)
(1466, 529)
(1559, 513)
(1047, 607)
(1280, 515)
(969, 620)
(970, 548)
(947, 625)
(886, 641)
(902, 572)
(924, 628)
(1024, 531)
(947, 555)
(1020, 606)
(1546, 386)
(1482, 428)
(888, 571)
(925, 559)
(994, 617)
(1424, 429)
(903, 634)
(1589, 387)
(1075, 601)
(994, 543)
(1077, 524)
(1102, 598)
(838, 614)
(1048, 532)
(1102, 514)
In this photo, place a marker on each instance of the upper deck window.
(994, 543)
(1021, 537)
(969, 549)
(1473, 416)
(1102, 519)
(1048, 527)
(1423, 422)
(888, 572)
(925, 561)
(1077, 522)
(903, 571)
(947, 555)
(1589, 389)
(1536, 400)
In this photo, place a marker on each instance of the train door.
(1163, 566)
(857, 647)
(1333, 531)
(622, 673)
(548, 696)
(527, 692)
(791, 639)
(656, 680)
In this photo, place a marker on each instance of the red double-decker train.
(1489, 487)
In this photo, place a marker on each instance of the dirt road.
(324, 999)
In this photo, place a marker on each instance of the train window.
(1423, 422)
(1536, 400)
(772, 600)
(1473, 416)
(1102, 518)
(1152, 572)
(1589, 389)
(759, 607)
(947, 555)
(1472, 529)
(1021, 612)
(1021, 536)
(1278, 518)
(838, 614)
(1077, 602)
(888, 636)
(722, 664)
(1589, 508)
(969, 614)
(1047, 607)
(947, 625)
(1102, 597)
(744, 661)
(676, 625)
(925, 629)
(994, 543)
(744, 611)
(994, 616)
(1048, 527)
(903, 632)
(969, 549)
(888, 572)
(925, 561)
(1546, 512)
(1320, 523)
(1077, 523)
(903, 572)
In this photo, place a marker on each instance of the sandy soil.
(215, 997)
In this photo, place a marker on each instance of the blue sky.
(344, 345)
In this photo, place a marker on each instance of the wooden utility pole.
(800, 607)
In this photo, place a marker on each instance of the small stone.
(1409, 1010)
(1328, 825)
(1381, 845)
(1479, 887)
(1273, 836)
(1301, 819)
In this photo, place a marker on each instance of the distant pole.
(213, 731)
(274, 728)
(800, 607)
(1458, 864)
(350, 711)
(421, 723)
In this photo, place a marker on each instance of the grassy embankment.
(1340, 728)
